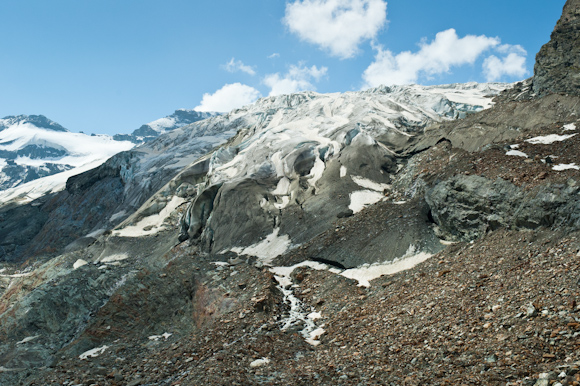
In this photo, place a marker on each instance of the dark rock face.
(465, 208)
(557, 68)
(17, 227)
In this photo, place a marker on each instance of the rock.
(531, 311)
(466, 207)
(557, 68)
(259, 362)
(136, 382)
(491, 359)
(345, 214)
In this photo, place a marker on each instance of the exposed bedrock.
(385, 232)
(557, 68)
(466, 207)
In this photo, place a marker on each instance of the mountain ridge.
(151, 130)
(33, 147)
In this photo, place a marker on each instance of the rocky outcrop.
(467, 207)
(557, 68)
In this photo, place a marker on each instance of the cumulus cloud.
(447, 50)
(237, 65)
(298, 78)
(512, 65)
(229, 97)
(338, 26)
(274, 55)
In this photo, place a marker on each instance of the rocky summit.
(557, 68)
(405, 235)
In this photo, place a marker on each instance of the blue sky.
(109, 66)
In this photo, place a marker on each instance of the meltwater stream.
(298, 313)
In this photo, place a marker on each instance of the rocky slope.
(357, 238)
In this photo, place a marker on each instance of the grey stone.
(557, 68)
(466, 207)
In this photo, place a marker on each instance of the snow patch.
(549, 139)
(316, 172)
(364, 274)
(314, 315)
(343, 171)
(315, 335)
(17, 275)
(369, 184)
(267, 249)
(93, 353)
(157, 337)
(569, 127)
(283, 273)
(561, 167)
(28, 339)
(151, 224)
(79, 263)
(115, 257)
(517, 153)
(362, 198)
(282, 188)
(259, 362)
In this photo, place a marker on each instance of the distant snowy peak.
(39, 121)
(152, 130)
(179, 118)
(33, 147)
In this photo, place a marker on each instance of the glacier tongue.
(287, 163)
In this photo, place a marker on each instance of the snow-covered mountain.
(152, 130)
(32, 147)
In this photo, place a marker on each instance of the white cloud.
(509, 48)
(229, 97)
(237, 65)
(298, 78)
(512, 65)
(274, 55)
(445, 51)
(338, 26)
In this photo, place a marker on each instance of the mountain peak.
(39, 121)
(557, 68)
(151, 130)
